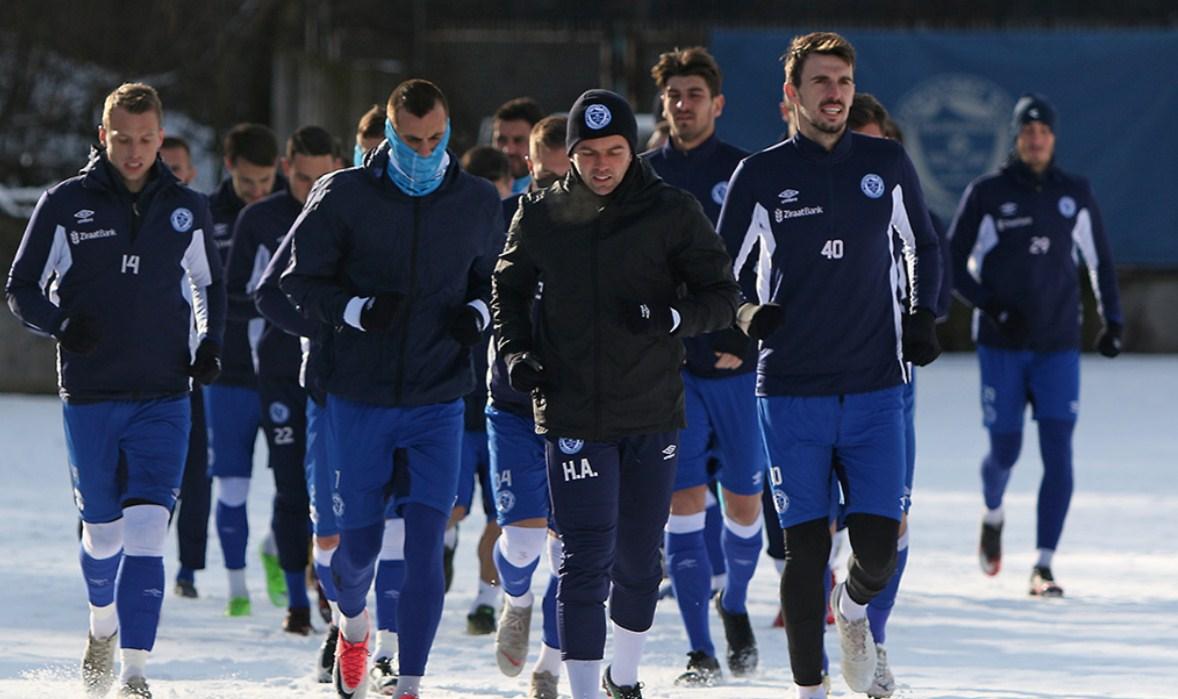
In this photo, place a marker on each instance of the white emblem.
(669, 452)
(597, 116)
(788, 196)
(182, 220)
(279, 413)
(1009, 208)
(1033, 112)
(337, 505)
(719, 190)
(75, 237)
(872, 185)
(780, 501)
(570, 446)
(84, 215)
(505, 501)
(1067, 206)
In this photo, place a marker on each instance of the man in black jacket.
(612, 245)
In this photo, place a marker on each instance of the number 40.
(833, 249)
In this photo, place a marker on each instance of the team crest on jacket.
(718, 191)
(505, 501)
(182, 220)
(872, 185)
(780, 501)
(598, 116)
(279, 413)
(1067, 206)
(570, 446)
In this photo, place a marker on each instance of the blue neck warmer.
(414, 174)
(358, 156)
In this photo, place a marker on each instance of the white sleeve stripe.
(1082, 237)
(261, 260)
(899, 223)
(760, 228)
(54, 256)
(986, 241)
(196, 262)
(746, 244)
(484, 313)
(903, 224)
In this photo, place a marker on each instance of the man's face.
(511, 137)
(690, 108)
(179, 162)
(871, 128)
(421, 133)
(546, 165)
(132, 142)
(1035, 145)
(823, 99)
(251, 181)
(303, 170)
(602, 162)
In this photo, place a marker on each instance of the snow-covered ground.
(954, 634)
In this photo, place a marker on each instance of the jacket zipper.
(403, 329)
(594, 310)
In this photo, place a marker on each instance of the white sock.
(134, 663)
(1045, 556)
(488, 594)
(269, 547)
(237, 586)
(104, 621)
(623, 669)
(779, 564)
(408, 684)
(719, 581)
(994, 517)
(354, 628)
(527, 599)
(584, 678)
(335, 614)
(815, 692)
(549, 660)
(450, 537)
(850, 609)
(386, 644)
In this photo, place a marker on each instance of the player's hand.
(725, 360)
(466, 325)
(379, 312)
(920, 342)
(79, 334)
(1109, 343)
(525, 372)
(650, 319)
(1008, 321)
(759, 322)
(206, 365)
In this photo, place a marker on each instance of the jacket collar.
(703, 150)
(1017, 170)
(811, 150)
(98, 173)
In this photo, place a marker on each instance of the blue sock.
(296, 589)
(741, 555)
(713, 528)
(1055, 490)
(100, 575)
(390, 578)
(420, 608)
(880, 607)
(515, 581)
(353, 566)
(996, 467)
(327, 582)
(187, 574)
(687, 563)
(233, 529)
(551, 627)
(140, 596)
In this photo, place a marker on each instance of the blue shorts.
(909, 438)
(363, 439)
(726, 410)
(1049, 381)
(862, 432)
(519, 471)
(126, 452)
(476, 465)
(233, 415)
(319, 472)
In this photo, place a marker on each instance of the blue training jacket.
(277, 309)
(1017, 240)
(132, 263)
(359, 236)
(704, 171)
(846, 249)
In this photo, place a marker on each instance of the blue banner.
(952, 93)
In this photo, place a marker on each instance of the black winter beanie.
(598, 113)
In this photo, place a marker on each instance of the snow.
(954, 634)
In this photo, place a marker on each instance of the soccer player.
(838, 216)
(719, 384)
(177, 155)
(406, 309)
(1017, 240)
(613, 246)
(113, 264)
(510, 128)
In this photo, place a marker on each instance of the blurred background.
(949, 72)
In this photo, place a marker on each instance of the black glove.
(647, 318)
(379, 311)
(79, 334)
(731, 341)
(206, 366)
(759, 322)
(1109, 343)
(1008, 321)
(920, 337)
(465, 325)
(525, 372)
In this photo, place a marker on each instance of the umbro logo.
(84, 215)
(1009, 208)
(669, 452)
(788, 196)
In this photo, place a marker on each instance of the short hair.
(550, 132)
(694, 60)
(136, 98)
(824, 43)
(487, 162)
(892, 130)
(866, 109)
(253, 143)
(417, 97)
(371, 124)
(176, 142)
(312, 141)
(520, 108)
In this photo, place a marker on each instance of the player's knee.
(874, 541)
(1004, 448)
(101, 541)
(688, 501)
(742, 509)
(521, 546)
(232, 491)
(807, 544)
(145, 528)
(392, 543)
